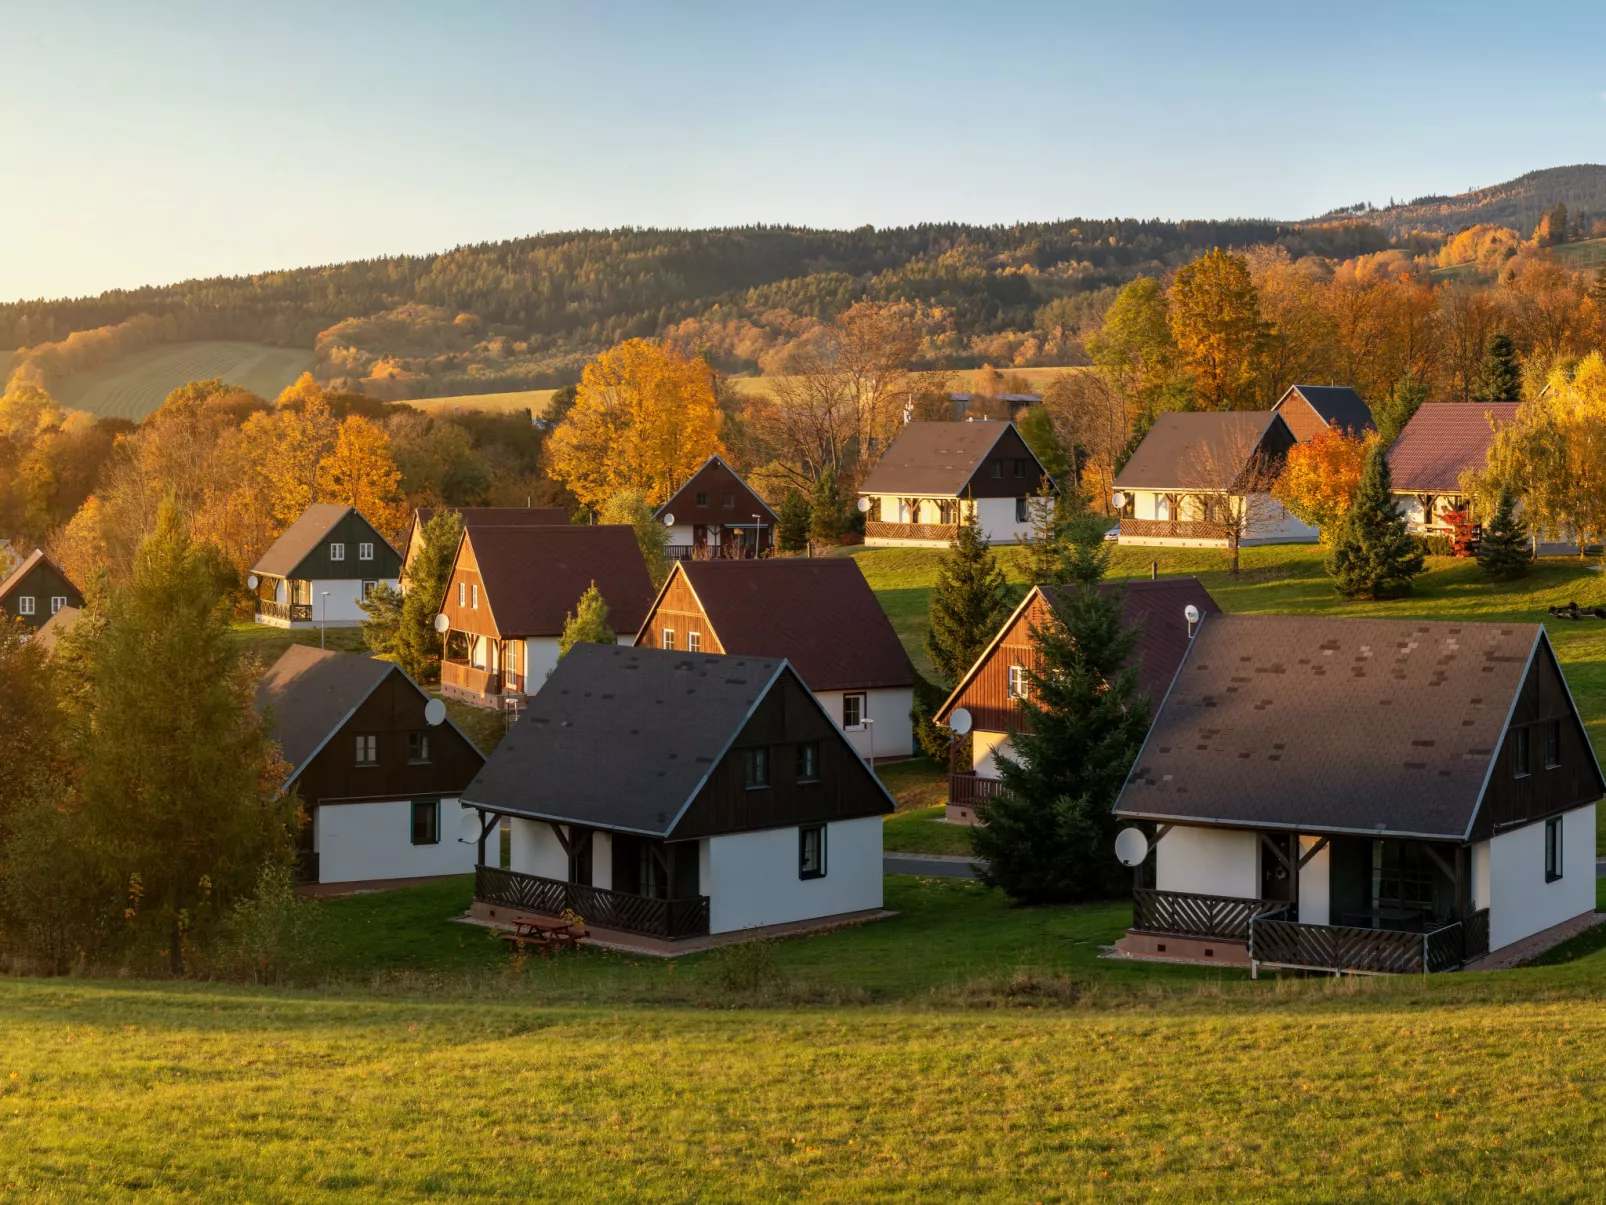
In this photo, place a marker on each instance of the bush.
(748, 966)
(1435, 545)
(265, 938)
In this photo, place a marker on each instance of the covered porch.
(724, 542)
(482, 670)
(914, 519)
(283, 602)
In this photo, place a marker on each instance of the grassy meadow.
(135, 385)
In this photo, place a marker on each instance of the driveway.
(939, 866)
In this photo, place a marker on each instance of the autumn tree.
(1320, 477)
(629, 508)
(359, 471)
(645, 417)
(1215, 319)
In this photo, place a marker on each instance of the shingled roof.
(303, 536)
(818, 613)
(1337, 406)
(24, 567)
(312, 692)
(714, 477)
(1382, 727)
(1442, 441)
(934, 459)
(1169, 458)
(534, 576)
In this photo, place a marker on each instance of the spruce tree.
(1403, 402)
(1046, 545)
(417, 646)
(1504, 552)
(1373, 555)
(793, 534)
(1500, 376)
(826, 518)
(968, 603)
(1048, 838)
(587, 623)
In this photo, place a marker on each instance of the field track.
(136, 384)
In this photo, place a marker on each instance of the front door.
(1276, 880)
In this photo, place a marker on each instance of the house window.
(1022, 515)
(808, 762)
(702, 497)
(337, 552)
(365, 552)
(998, 468)
(1020, 468)
(1552, 733)
(462, 594)
(474, 596)
(694, 642)
(853, 712)
(1521, 752)
(1552, 849)
(57, 602)
(368, 589)
(367, 749)
(418, 748)
(755, 768)
(668, 640)
(426, 822)
(25, 605)
(1017, 682)
(728, 501)
(811, 852)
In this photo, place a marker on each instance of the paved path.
(941, 866)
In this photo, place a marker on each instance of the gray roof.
(1338, 405)
(1168, 457)
(933, 459)
(1318, 724)
(622, 737)
(300, 538)
(312, 692)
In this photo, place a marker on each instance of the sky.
(148, 143)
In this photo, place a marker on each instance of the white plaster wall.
(540, 659)
(357, 842)
(1209, 861)
(1315, 885)
(894, 734)
(602, 860)
(984, 750)
(534, 849)
(1520, 901)
(1480, 875)
(344, 596)
(998, 522)
(751, 878)
(1282, 527)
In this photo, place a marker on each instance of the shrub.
(748, 966)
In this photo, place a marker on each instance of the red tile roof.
(534, 576)
(1443, 440)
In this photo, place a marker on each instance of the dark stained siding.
(786, 717)
(350, 531)
(717, 480)
(1009, 448)
(986, 696)
(42, 583)
(678, 610)
(1511, 801)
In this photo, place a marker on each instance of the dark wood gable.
(1008, 471)
(1509, 801)
(350, 531)
(41, 583)
(986, 695)
(785, 718)
(713, 482)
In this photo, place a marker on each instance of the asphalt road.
(940, 866)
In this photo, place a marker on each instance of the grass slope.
(137, 384)
(533, 400)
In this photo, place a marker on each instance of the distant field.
(1587, 253)
(533, 400)
(962, 379)
(136, 384)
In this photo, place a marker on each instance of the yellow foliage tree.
(360, 471)
(292, 444)
(304, 389)
(1215, 319)
(1320, 477)
(644, 418)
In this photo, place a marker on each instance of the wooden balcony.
(269, 611)
(1173, 529)
(461, 680)
(1277, 939)
(875, 529)
(968, 788)
(1184, 914)
(597, 907)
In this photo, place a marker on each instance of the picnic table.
(544, 934)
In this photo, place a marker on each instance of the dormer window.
(337, 552)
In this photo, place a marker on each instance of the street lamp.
(323, 622)
(757, 536)
(869, 726)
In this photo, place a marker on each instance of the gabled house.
(717, 515)
(1311, 409)
(481, 516)
(36, 589)
(378, 765)
(510, 590)
(992, 689)
(670, 797)
(1442, 441)
(820, 615)
(319, 571)
(934, 475)
(1197, 478)
(1362, 795)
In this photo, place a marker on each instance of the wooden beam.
(563, 838)
(1314, 850)
(1265, 839)
(1440, 862)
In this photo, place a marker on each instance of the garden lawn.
(269, 643)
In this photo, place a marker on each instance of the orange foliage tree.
(1320, 477)
(1215, 318)
(360, 471)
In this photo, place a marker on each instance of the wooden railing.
(285, 612)
(970, 787)
(1174, 529)
(686, 917)
(1276, 939)
(1185, 914)
(874, 529)
(1475, 943)
(464, 676)
(713, 552)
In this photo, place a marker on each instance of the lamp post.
(869, 726)
(323, 621)
(758, 535)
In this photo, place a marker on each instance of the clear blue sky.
(144, 143)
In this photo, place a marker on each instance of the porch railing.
(714, 552)
(875, 528)
(686, 917)
(284, 612)
(1174, 529)
(467, 677)
(1185, 914)
(972, 788)
(1276, 939)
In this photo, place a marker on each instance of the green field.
(135, 385)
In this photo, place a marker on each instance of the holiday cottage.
(1311, 409)
(35, 590)
(667, 797)
(1361, 795)
(716, 515)
(935, 475)
(817, 613)
(318, 572)
(482, 516)
(378, 765)
(991, 691)
(1443, 442)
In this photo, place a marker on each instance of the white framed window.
(1553, 865)
(25, 604)
(694, 642)
(337, 552)
(853, 709)
(367, 749)
(462, 594)
(1017, 682)
(57, 602)
(365, 552)
(667, 640)
(474, 596)
(368, 588)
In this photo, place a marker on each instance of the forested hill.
(1518, 203)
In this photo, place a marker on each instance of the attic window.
(1017, 682)
(365, 552)
(998, 468)
(25, 604)
(694, 642)
(1521, 752)
(1020, 468)
(755, 768)
(1552, 737)
(668, 639)
(337, 552)
(702, 497)
(728, 501)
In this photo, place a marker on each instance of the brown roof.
(715, 477)
(1167, 458)
(818, 613)
(50, 631)
(499, 516)
(933, 459)
(304, 535)
(534, 576)
(1443, 440)
(1376, 726)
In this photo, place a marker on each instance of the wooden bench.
(544, 935)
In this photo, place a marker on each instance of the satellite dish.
(442, 623)
(252, 581)
(959, 721)
(1119, 499)
(1191, 614)
(1131, 846)
(434, 713)
(669, 520)
(864, 506)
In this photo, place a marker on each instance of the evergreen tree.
(1373, 555)
(383, 608)
(968, 603)
(417, 646)
(1504, 552)
(1403, 402)
(1500, 376)
(1046, 544)
(1087, 552)
(826, 517)
(793, 534)
(629, 508)
(1049, 836)
(587, 623)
